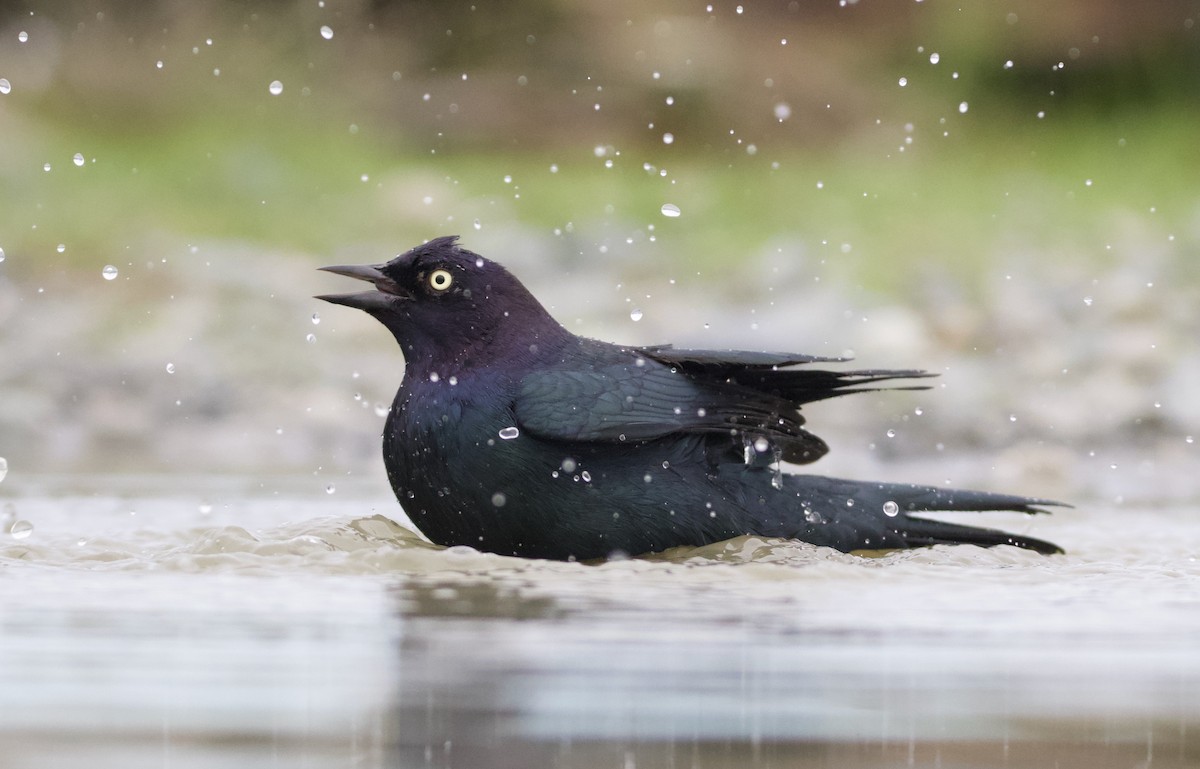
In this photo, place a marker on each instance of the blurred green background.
(1006, 192)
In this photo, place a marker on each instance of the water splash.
(21, 529)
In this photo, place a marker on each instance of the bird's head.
(445, 303)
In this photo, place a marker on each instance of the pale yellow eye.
(440, 280)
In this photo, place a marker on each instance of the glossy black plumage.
(512, 435)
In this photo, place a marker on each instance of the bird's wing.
(631, 402)
(772, 372)
(732, 359)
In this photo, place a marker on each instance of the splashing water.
(21, 530)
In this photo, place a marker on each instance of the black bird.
(511, 434)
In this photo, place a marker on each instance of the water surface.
(231, 622)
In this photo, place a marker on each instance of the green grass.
(288, 180)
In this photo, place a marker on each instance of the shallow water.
(228, 622)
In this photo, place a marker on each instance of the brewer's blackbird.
(512, 435)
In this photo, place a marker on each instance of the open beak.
(385, 294)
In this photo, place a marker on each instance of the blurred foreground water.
(170, 621)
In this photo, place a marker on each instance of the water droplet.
(330, 489)
(1088, 301)
(962, 107)
(508, 433)
(498, 499)
(586, 476)
(903, 82)
(670, 209)
(5, 86)
(109, 272)
(890, 508)
(60, 247)
(635, 315)
(316, 318)
(23, 36)
(434, 377)
(310, 338)
(78, 159)
(275, 88)
(381, 410)
(934, 58)
(849, 503)
(3, 468)
(891, 433)
(21, 529)
(783, 111)
(327, 32)
(453, 381)
(1189, 439)
(569, 465)
(170, 368)
(205, 508)
(477, 224)
(1012, 417)
(1, 254)
(668, 138)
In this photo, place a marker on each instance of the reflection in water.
(752, 682)
(260, 633)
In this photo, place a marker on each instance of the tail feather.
(920, 532)
(855, 515)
